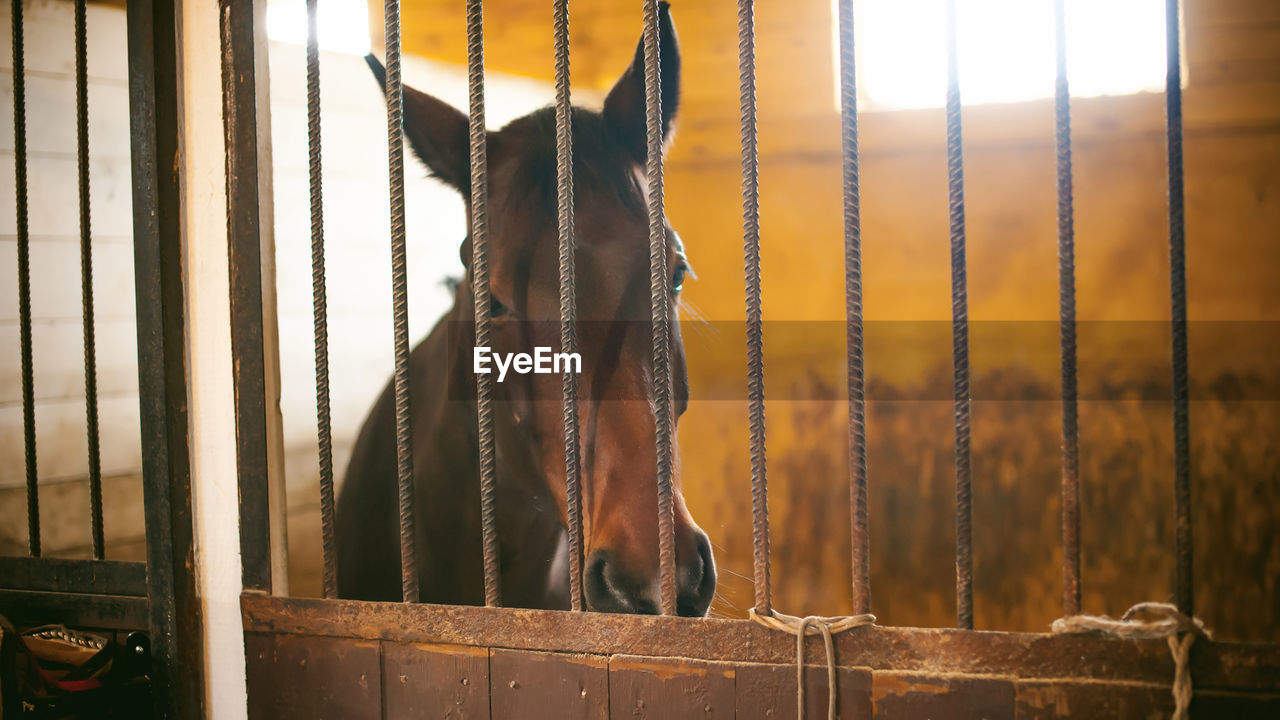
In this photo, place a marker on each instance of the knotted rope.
(1149, 621)
(813, 625)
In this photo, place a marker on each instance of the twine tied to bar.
(813, 625)
(1149, 621)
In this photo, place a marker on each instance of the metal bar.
(86, 283)
(28, 608)
(400, 302)
(1178, 300)
(755, 329)
(24, 282)
(97, 577)
(175, 618)
(1067, 320)
(860, 541)
(480, 293)
(320, 306)
(568, 300)
(660, 307)
(960, 333)
(240, 125)
(1218, 665)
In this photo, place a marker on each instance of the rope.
(1067, 325)
(24, 282)
(813, 625)
(755, 333)
(660, 307)
(86, 284)
(1150, 621)
(568, 301)
(960, 334)
(319, 303)
(480, 293)
(400, 301)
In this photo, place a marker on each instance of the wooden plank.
(437, 681)
(910, 696)
(643, 687)
(1220, 665)
(313, 678)
(547, 685)
(26, 608)
(1053, 699)
(768, 692)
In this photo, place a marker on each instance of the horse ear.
(624, 108)
(437, 133)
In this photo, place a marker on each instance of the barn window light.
(343, 24)
(1006, 50)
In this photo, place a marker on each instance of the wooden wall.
(1232, 111)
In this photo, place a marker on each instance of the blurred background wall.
(1232, 115)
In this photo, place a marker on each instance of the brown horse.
(617, 393)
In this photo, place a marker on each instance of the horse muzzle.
(610, 587)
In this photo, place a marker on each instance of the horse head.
(617, 393)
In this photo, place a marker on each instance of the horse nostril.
(698, 582)
(608, 588)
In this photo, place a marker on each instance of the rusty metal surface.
(909, 696)
(27, 608)
(244, 245)
(1234, 666)
(311, 677)
(177, 671)
(548, 685)
(646, 687)
(438, 681)
(768, 692)
(95, 577)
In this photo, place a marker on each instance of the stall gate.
(152, 604)
(309, 658)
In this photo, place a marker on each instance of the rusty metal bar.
(1184, 592)
(177, 671)
(960, 333)
(568, 301)
(400, 302)
(861, 538)
(24, 282)
(755, 328)
(660, 306)
(96, 577)
(480, 292)
(1067, 322)
(244, 241)
(86, 283)
(319, 304)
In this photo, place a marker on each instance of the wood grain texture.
(641, 687)
(548, 685)
(905, 696)
(313, 678)
(768, 692)
(437, 681)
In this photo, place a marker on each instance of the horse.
(617, 398)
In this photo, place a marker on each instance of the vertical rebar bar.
(755, 330)
(960, 332)
(853, 314)
(1178, 301)
(1067, 326)
(568, 300)
(320, 305)
(400, 300)
(24, 281)
(86, 283)
(480, 292)
(660, 307)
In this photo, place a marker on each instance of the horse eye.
(677, 279)
(496, 309)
